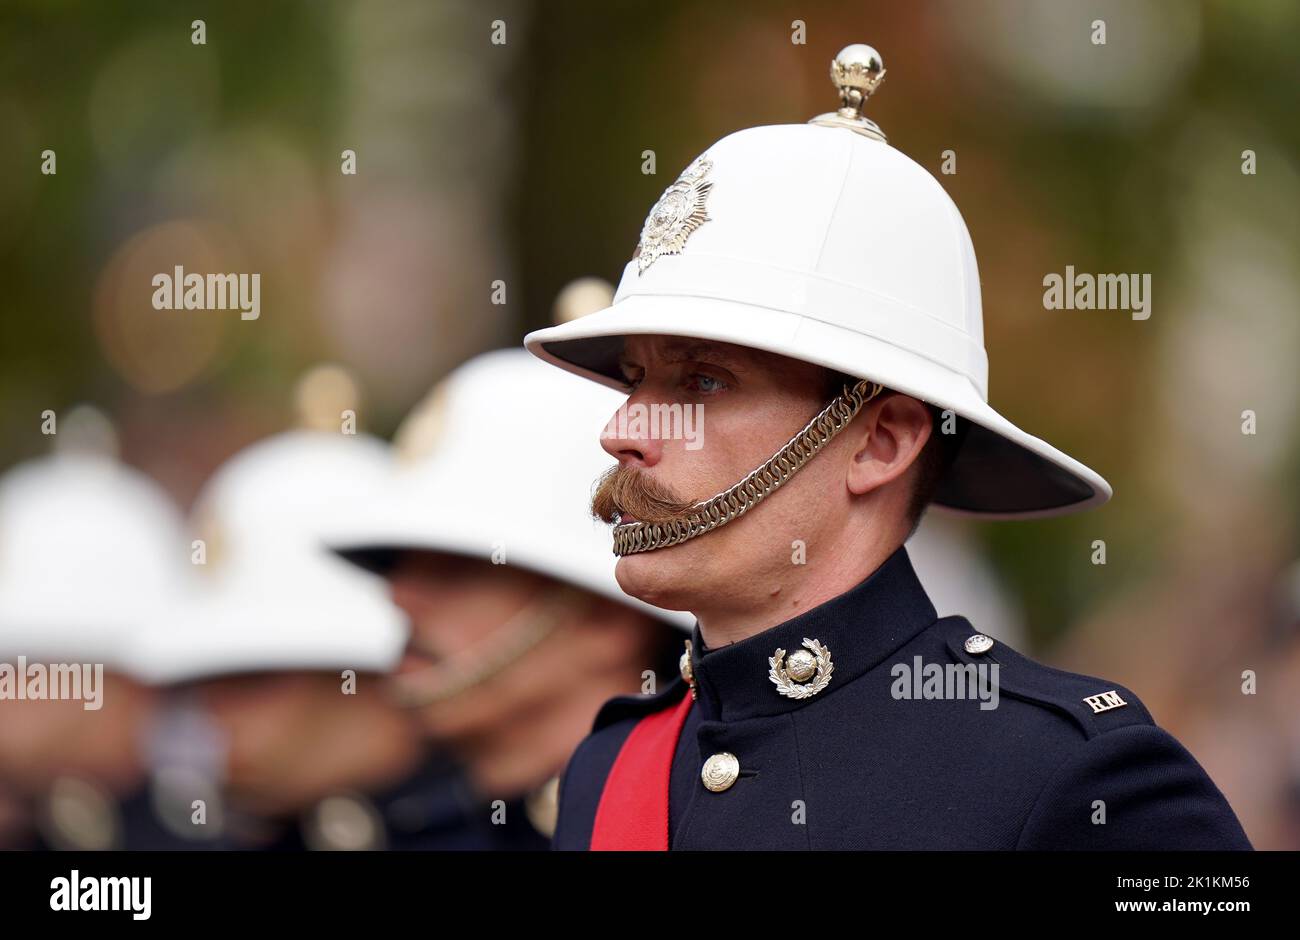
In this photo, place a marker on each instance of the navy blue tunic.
(876, 761)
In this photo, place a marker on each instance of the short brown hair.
(934, 460)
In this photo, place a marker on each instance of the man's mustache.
(627, 491)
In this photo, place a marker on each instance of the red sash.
(633, 811)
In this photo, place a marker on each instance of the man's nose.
(407, 593)
(629, 435)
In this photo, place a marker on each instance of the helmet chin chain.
(502, 647)
(734, 502)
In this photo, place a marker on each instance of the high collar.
(859, 628)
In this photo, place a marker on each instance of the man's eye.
(631, 382)
(699, 382)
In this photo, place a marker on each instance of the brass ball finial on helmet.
(856, 72)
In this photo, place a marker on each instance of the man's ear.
(896, 429)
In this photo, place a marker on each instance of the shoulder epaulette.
(1095, 705)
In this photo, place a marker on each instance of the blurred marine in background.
(90, 551)
(519, 630)
(277, 732)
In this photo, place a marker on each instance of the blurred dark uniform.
(855, 767)
(434, 810)
(78, 816)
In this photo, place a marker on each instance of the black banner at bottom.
(549, 890)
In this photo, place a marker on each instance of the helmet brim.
(1001, 471)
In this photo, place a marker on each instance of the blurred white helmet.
(273, 597)
(90, 550)
(498, 463)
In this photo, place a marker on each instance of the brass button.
(979, 643)
(543, 806)
(81, 816)
(343, 823)
(720, 771)
(688, 672)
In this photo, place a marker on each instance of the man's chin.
(667, 577)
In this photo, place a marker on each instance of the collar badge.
(804, 672)
(679, 211)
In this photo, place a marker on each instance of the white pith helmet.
(498, 463)
(271, 596)
(90, 550)
(823, 243)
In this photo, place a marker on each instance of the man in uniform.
(816, 292)
(276, 731)
(89, 548)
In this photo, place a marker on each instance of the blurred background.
(521, 163)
